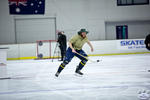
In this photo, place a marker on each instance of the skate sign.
(134, 44)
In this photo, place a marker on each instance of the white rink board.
(3, 56)
(100, 47)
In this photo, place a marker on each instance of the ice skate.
(57, 74)
(78, 72)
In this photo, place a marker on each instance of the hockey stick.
(88, 58)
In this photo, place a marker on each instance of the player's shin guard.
(81, 65)
(61, 67)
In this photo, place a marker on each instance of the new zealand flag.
(26, 6)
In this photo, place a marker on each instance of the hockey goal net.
(47, 49)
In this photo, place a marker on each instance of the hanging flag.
(26, 6)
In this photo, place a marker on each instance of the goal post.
(47, 49)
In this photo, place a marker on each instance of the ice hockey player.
(75, 46)
(147, 42)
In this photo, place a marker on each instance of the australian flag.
(26, 7)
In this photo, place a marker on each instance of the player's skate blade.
(78, 75)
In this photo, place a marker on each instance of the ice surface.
(119, 77)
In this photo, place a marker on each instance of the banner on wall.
(26, 7)
(135, 44)
(122, 32)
